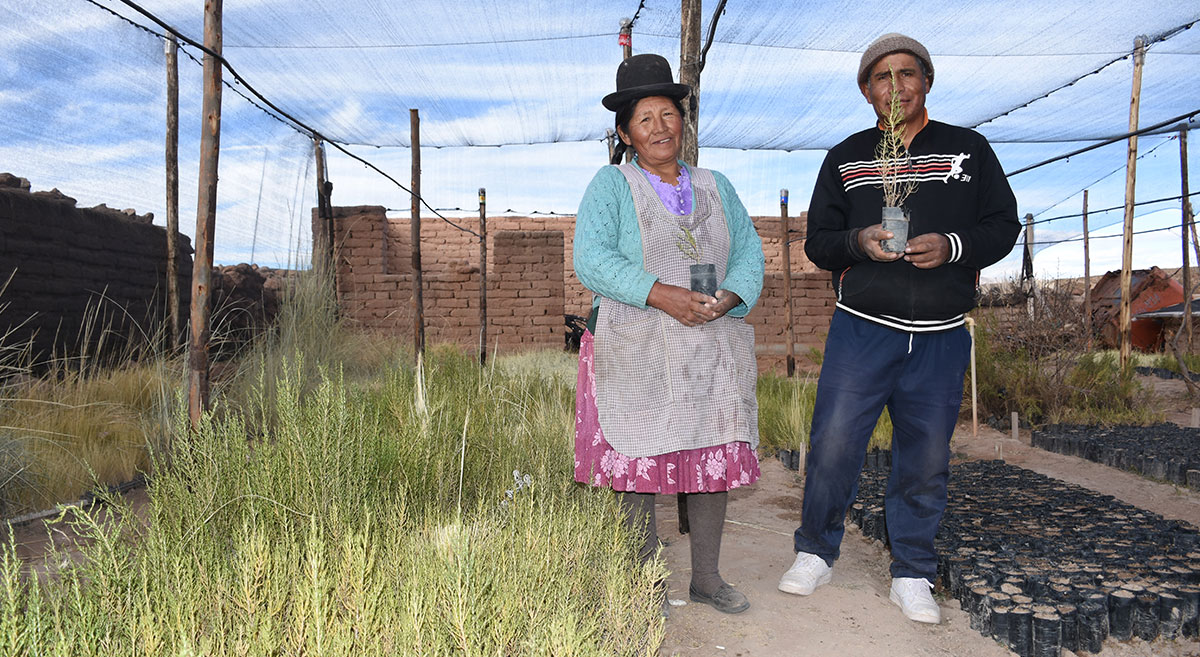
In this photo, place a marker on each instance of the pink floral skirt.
(703, 470)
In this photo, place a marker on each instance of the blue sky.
(82, 93)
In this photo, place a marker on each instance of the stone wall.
(531, 281)
(79, 277)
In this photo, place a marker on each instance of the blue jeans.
(868, 366)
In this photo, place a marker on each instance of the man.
(897, 337)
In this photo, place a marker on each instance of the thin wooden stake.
(1195, 417)
(689, 74)
(482, 276)
(1087, 277)
(418, 285)
(786, 232)
(173, 309)
(1185, 218)
(974, 389)
(1139, 59)
(206, 216)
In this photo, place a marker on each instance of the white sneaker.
(913, 596)
(807, 573)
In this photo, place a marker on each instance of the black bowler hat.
(641, 76)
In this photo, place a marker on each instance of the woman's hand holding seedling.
(687, 307)
(691, 308)
(723, 303)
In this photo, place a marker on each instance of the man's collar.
(924, 121)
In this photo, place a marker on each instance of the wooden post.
(206, 216)
(482, 276)
(689, 74)
(625, 40)
(418, 285)
(785, 232)
(1027, 266)
(172, 52)
(1185, 217)
(1139, 59)
(324, 253)
(322, 242)
(1087, 277)
(626, 43)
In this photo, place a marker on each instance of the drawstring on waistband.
(910, 336)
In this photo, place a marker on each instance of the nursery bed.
(1040, 564)
(1166, 452)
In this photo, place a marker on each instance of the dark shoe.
(727, 599)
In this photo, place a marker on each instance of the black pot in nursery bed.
(1165, 452)
(1042, 565)
(1163, 373)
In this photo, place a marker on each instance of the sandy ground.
(852, 616)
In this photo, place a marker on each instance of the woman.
(665, 401)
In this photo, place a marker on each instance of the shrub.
(1035, 364)
(369, 519)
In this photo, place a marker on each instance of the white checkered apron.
(661, 386)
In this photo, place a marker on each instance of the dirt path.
(852, 616)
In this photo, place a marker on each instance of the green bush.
(1037, 365)
(1102, 393)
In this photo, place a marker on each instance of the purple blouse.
(676, 198)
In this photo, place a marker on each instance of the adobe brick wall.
(531, 281)
(73, 268)
(812, 308)
(527, 279)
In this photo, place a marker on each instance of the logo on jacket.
(956, 170)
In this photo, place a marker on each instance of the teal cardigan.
(608, 244)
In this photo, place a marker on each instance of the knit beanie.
(888, 44)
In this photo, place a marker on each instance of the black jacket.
(962, 193)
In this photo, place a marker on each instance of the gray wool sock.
(706, 514)
(639, 515)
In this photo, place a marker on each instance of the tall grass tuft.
(785, 409)
(338, 532)
(84, 420)
(307, 325)
(326, 510)
(63, 434)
